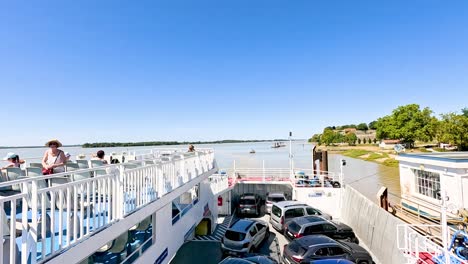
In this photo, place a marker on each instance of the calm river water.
(366, 177)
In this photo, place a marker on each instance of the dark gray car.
(316, 247)
(250, 203)
(316, 225)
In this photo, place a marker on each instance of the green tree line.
(159, 143)
(409, 123)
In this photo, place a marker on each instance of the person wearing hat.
(54, 159)
(13, 160)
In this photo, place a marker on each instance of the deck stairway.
(67, 217)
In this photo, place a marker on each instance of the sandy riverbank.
(367, 152)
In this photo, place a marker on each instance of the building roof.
(391, 141)
(457, 160)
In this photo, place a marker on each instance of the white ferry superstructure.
(144, 210)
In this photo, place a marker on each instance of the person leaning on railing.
(13, 161)
(191, 148)
(54, 159)
(100, 156)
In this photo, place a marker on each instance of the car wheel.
(252, 249)
(363, 262)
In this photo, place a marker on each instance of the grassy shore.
(365, 152)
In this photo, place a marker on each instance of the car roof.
(332, 261)
(242, 225)
(315, 240)
(285, 204)
(248, 196)
(276, 194)
(309, 219)
(230, 260)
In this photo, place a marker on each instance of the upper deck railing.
(424, 249)
(297, 177)
(49, 214)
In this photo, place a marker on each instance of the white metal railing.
(219, 183)
(419, 248)
(299, 177)
(52, 213)
(137, 154)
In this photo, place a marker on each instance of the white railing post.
(182, 168)
(121, 192)
(263, 171)
(34, 216)
(24, 225)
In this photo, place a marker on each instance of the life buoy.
(336, 185)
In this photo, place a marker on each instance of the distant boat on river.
(278, 145)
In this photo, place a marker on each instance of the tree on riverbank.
(409, 123)
(453, 129)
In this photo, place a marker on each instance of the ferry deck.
(148, 208)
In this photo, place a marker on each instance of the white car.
(273, 198)
(244, 236)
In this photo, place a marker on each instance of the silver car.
(283, 212)
(244, 236)
(273, 198)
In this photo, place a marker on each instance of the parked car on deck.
(258, 259)
(331, 261)
(319, 247)
(273, 198)
(316, 225)
(244, 236)
(283, 212)
(250, 203)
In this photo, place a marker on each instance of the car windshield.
(294, 227)
(296, 248)
(247, 201)
(234, 236)
(276, 199)
(344, 245)
(276, 211)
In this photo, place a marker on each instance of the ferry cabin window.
(175, 210)
(427, 183)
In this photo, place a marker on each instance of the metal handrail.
(112, 196)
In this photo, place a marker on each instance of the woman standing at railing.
(54, 159)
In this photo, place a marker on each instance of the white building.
(425, 177)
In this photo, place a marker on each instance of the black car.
(316, 225)
(250, 203)
(317, 247)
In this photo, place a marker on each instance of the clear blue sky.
(88, 71)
